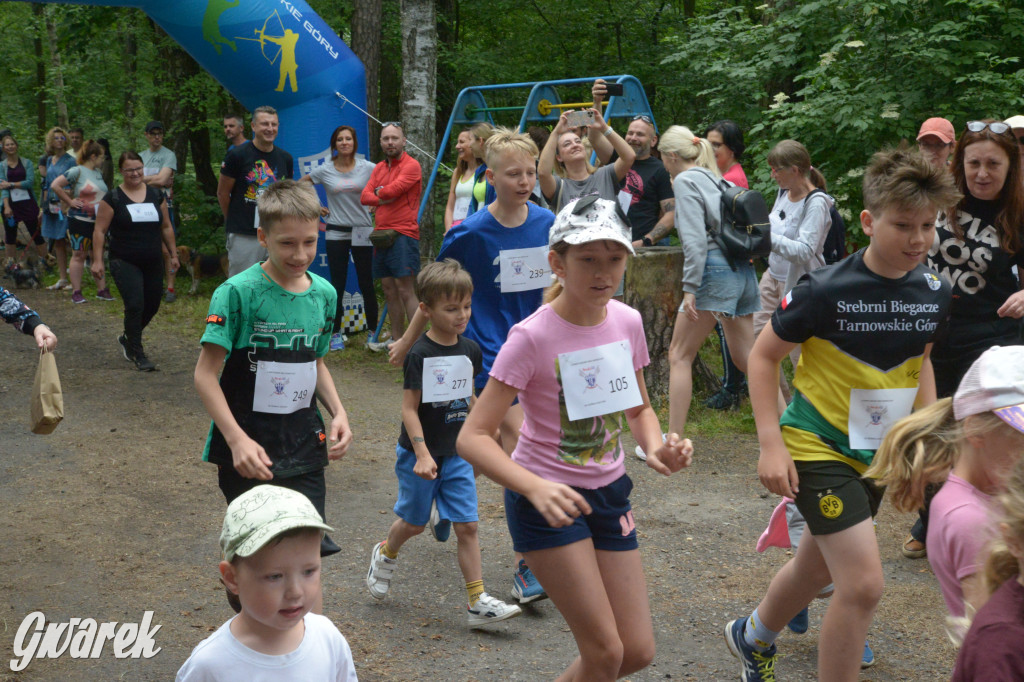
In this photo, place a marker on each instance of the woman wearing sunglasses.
(977, 243)
(55, 223)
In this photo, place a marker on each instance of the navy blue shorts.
(610, 524)
(401, 259)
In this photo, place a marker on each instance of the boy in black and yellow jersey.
(866, 326)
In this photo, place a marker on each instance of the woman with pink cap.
(935, 140)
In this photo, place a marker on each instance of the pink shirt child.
(586, 453)
(959, 526)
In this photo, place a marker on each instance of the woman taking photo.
(135, 220)
(17, 176)
(580, 179)
(87, 190)
(348, 224)
(711, 288)
(55, 223)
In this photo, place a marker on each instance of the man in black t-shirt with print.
(246, 173)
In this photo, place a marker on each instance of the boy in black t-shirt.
(432, 478)
(866, 327)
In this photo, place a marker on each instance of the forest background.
(845, 77)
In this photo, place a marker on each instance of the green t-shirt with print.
(273, 338)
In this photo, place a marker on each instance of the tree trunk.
(38, 12)
(653, 288)
(419, 95)
(130, 61)
(366, 38)
(58, 72)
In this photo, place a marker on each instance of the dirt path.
(114, 515)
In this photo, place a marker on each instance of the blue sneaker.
(338, 341)
(758, 666)
(440, 528)
(525, 587)
(868, 659)
(799, 623)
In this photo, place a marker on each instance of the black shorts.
(834, 497)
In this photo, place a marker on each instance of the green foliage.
(847, 77)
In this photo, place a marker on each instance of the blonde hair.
(50, 150)
(287, 199)
(551, 292)
(443, 280)
(559, 168)
(901, 178)
(507, 141)
(1001, 564)
(681, 141)
(790, 154)
(922, 449)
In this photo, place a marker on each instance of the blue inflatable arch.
(271, 52)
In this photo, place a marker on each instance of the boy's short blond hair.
(507, 141)
(443, 280)
(901, 178)
(287, 199)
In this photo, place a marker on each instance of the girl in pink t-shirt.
(577, 367)
(968, 443)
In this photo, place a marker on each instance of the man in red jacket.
(394, 191)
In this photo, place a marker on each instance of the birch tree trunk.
(58, 72)
(366, 38)
(419, 95)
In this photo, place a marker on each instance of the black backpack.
(745, 232)
(834, 248)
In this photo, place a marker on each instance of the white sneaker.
(59, 285)
(639, 452)
(488, 609)
(378, 346)
(378, 578)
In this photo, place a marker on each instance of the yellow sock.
(386, 551)
(474, 590)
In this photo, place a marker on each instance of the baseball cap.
(939, 127)
(153, 125)
(257, 516)
(589, 219)
(1015, 121)
(994, 383)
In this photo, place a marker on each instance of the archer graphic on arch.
(286, 43)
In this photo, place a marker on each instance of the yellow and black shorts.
(834, 497)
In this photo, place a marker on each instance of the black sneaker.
(723, 400)
(143, 363)
(122, 340)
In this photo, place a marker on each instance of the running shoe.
(378, 578)
(525, 587)
(378, 346)
(338, 341)
(639, 451)
(104, 294)
(758, 666)
(76, 297)
(799, 623)
(440, 528)
(723, 400)
(59, 285)
(868, 659)
(142, 363)
(122, 341)
(488, 609)
(170, 296)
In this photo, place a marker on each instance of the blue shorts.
(401, 259)
(610, 524)
(454, 489)
(724, 291)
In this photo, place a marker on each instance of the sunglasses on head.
(645, 118)
(996, 127)
(385, 124)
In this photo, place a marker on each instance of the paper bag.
(47, 398)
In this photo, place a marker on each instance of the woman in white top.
(348, 224)
(469, 151)
(800, 222)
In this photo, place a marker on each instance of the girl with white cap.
(576, 365)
